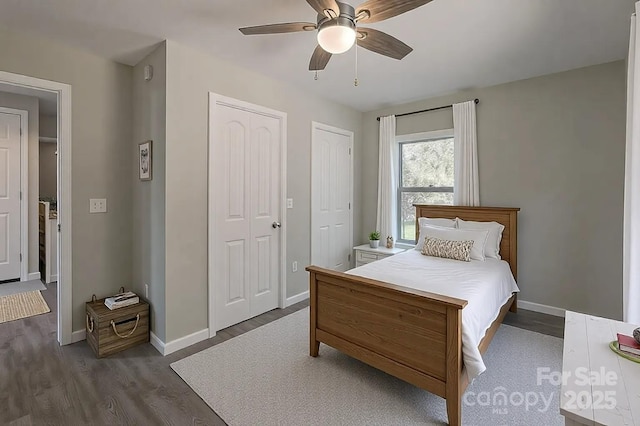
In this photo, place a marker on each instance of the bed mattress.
(485, 285)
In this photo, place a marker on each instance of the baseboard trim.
(181, 343)
(544, 309)
(78, 336)
(163, 348)
(54, 278)
(33, 276)
(297, 298)
(157, 343)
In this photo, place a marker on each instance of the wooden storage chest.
(110, 331)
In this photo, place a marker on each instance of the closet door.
(265, 232)
(331, 197)
(246, 199)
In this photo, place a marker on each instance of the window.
(426, 176)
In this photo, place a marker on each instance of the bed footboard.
(410, 334)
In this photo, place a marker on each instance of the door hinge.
(349, 151)
(58, 227)
(349, 206)
(349, 258)
(20, 195)
(20, 257)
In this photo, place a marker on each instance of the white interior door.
(245, 162)
(10, 224)
(331, 197)
(265, 228)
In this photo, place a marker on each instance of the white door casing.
(14, 258)
(331, 197)
(246, 198)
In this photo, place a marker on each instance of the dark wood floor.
(43, 383)
(535, 321)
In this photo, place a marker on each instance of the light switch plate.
(289, 203)
(97, 205)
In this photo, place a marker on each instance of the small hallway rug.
(22, 305)
(266, 377)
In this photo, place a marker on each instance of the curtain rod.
(428, 110)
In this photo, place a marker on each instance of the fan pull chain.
(355, 82)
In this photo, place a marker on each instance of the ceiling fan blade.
(382, 43)
(379, 10)
(290, 27)
(321, 5)
(319, 59)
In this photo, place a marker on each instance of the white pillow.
(478, 236)
(492, 248)
(435, 221)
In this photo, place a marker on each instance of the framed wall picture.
(144, 160)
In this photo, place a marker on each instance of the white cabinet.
(365, 254)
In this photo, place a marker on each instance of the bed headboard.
(507, 216)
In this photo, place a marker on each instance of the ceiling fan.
(338, 27)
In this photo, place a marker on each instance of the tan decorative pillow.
(448, 249)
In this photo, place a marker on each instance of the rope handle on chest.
(89, 324)
(113, 325)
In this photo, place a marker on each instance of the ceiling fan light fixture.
(338, 28)
(337, 35)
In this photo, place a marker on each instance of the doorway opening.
(45, 248)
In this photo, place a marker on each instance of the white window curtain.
(466, 191)
(387, 179)
(631, 251)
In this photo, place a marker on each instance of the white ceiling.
(458, 44)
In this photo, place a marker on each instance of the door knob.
(275, 225)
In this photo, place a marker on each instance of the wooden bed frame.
(410, 334)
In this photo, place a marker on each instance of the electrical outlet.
(146, 291)
(98, 205)
(294, 267)
(289, 203)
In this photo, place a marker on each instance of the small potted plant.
(374, 239)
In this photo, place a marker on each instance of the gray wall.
(48, 170)
(31, 105)
(48, 125)
(48, 160)
(553, 146)
(190, 76)
(149, 117)
(101, 158)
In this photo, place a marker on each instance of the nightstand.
(365, 254)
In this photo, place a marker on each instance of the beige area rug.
(266, 377)
(22, 305)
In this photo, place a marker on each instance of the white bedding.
(485, 285)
